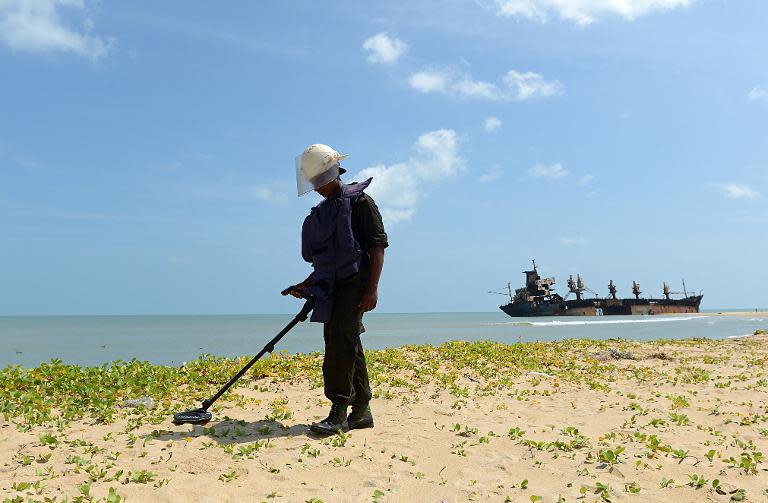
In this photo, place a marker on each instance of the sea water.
(94, 340)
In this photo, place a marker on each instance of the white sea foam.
(558, 323)
(612, 322)
(740, 336)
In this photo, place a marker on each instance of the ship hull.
(603, 307)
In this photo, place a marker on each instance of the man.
(343, 238)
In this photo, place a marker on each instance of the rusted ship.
(538, 298)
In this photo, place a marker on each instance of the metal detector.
(201, 415)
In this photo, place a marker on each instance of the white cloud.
(758, 93)
(468, 88)
(492, 124)
(531, 85)
(585, 180)
(429, 81)
(739, 191)
(515, 86)
(581, 12)
(551, 172)
(383, 49)
(437, 155)
(492, 174)
(397, 188)
(266, 194)
(36, 26)
(573, 241)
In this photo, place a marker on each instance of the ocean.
(171, 340)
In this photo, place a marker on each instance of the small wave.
(557, 323)
(740, 336)
(509, 324)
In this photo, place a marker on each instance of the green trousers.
(345, 375)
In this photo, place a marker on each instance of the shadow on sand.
(230, 431)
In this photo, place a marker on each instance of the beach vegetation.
(680, 419)
(679, 401)
(45, 402)
(24, 459)
(739, 495)
(611, 457)
(21, 486)
(228, 476)
(748, 461)
(468, 432)
(697, 481)
(603, 491)
(340, 439)
(339, 462)
(310, 451)
(49, 440)
(142, 477)
(680, 454)
(280, 410)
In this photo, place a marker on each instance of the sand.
(678, 410)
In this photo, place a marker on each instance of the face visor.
(308, 179)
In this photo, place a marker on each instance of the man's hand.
(369, 300)
(296, 290)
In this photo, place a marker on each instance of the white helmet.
(317, 166)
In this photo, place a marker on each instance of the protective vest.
(328, 243)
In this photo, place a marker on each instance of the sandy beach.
(567, 421)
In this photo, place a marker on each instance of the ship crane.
(578, 287)
(667, 293)
(612, 289)
(636, 289)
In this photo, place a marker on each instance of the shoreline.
(740, 314)
(479, 421)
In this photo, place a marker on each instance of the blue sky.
(147, 149)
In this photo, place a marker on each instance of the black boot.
(360, 417)
(336, 420)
